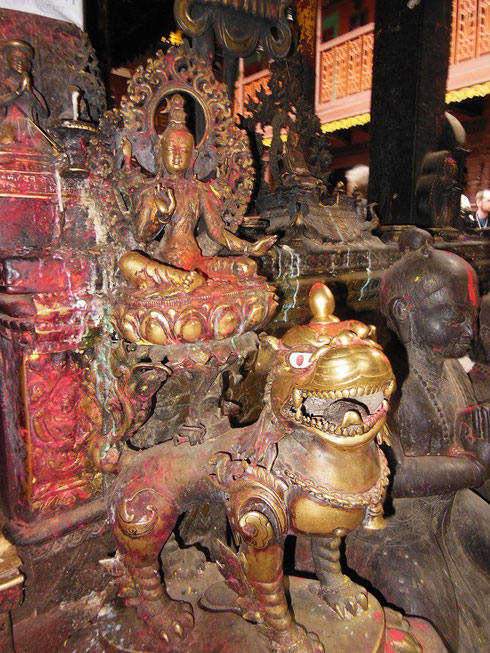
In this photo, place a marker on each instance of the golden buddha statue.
(21, 104)
(176, 201)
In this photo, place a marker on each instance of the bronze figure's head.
(18, 55)
(430, 299)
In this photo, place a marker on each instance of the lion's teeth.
(351, 417)
(296, 398)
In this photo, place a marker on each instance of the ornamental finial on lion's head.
(328, 377)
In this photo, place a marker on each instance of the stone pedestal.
(372, 631)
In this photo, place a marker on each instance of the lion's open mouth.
(347, 413)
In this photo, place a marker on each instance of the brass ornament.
(174, 320)
(325, 362)
(127, 519)
(338, 499)
(288, 473)
(238, 25)
(256, 529)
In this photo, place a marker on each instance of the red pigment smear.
(471, 287)
(457, 451)
(318, 284)
(377, 615)
(397, 635)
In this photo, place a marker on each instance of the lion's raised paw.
(347, 597)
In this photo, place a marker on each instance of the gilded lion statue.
(310, 464)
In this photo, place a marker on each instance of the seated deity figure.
(20, 102)
(176, 200)
(292, 164)
(440, 529)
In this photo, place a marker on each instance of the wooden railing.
(246, 88)
(470, 30)
(344, 64)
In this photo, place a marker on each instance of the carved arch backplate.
(181, 70)
(239, 26)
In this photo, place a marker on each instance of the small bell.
(373, 518)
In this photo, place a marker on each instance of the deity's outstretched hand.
(261, 246)
(165, 203)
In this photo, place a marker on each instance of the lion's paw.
(176, 622)
(171, 624)
(297, 640)
(348, 597)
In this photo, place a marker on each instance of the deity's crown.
(176, 113)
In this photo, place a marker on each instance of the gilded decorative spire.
(322, 304)
(176, 113)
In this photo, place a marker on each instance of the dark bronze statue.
(432, 560)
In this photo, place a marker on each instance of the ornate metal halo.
(181, 70)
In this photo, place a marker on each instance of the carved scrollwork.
(134, 518)
(257, 506)
(181, 70)
(256, 529)
(240, 31)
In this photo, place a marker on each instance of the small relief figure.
(21, 103)
(176, 201)
(293, 166)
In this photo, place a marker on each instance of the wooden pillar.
(410, 65)
(306, 17)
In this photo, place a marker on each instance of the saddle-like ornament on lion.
(311, 464)
(174, 202)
